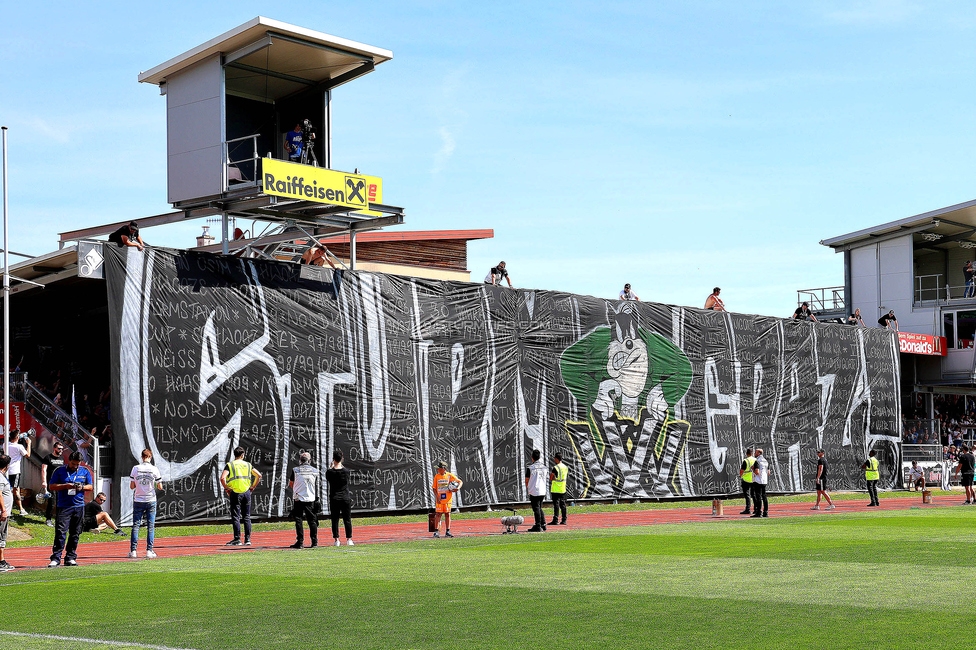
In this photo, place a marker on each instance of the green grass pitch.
(864, 580)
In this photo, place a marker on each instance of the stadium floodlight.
(931, 236)
(967, 244)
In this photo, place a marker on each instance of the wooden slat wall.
(442, 254)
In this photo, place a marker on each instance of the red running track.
(34, 557)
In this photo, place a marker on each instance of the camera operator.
(70, 484)
(293, 143)
(18, 449)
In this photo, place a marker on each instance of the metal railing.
(822, 298)
(932, 288)
(61, 425)
(241, 162)
(922, 453)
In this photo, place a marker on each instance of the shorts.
(919, 482)
(821, 485)
(90, 524)
(444, 505)
(967, 480)
(14, 480)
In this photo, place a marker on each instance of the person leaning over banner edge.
(128, 235)
(239, 480)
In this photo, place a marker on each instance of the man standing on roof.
(496, 274)
(128, 236)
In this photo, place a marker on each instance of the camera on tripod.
(308, 141)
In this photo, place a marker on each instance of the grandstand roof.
(939, 228)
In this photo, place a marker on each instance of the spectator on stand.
(627, 294)
(497, 273)
(855, 319)
(713, 302)
(888, 321)
(803, 313)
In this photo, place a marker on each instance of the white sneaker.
(23, 513)
(54, 563)
(49, 522)
(815, 508)
(150, 555)
(349, 542)
(831, 507)
(337, 543)
(132, 554)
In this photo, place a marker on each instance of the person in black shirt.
(820, 482)
(803, 313)
(340, 499)
(96, 520)
(967, 464)
(888, 321)
(968, 273)
(128, 236)
(50, 463)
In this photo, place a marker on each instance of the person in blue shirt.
(293, 143)
(69, 483)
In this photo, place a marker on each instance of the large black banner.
(643, 400)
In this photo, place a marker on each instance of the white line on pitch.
(124, 644)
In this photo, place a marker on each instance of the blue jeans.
(140, 510)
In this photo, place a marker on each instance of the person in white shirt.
(760, 478)
(6, 508)
(144, 479)
(303, 482)
(916, 477)
(498, 273)
(536, 476)
(627, 294)
(17, 451)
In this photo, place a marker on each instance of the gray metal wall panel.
(194, 126)
(195, 84)
(195, 174)
(864, 282)
(896, 275)
(194, 132)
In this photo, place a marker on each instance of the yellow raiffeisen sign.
(293, 181)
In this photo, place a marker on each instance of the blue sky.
(675, 146)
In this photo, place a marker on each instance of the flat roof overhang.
(940, 228)
(295, 56)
